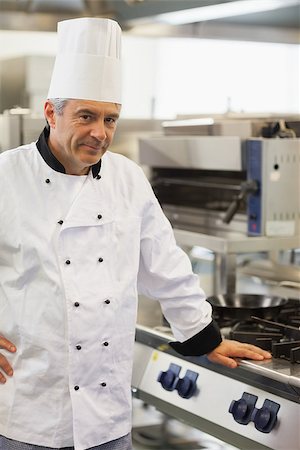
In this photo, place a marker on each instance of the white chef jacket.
(73, 259)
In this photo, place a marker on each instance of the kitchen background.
(207, 76)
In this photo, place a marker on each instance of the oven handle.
(247, 187)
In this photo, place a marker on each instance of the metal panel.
(201, 152)
(209, 406)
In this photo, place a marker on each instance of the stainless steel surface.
(208, 408)
(231, 124)
(226, 247)
(235, 243)
(196, 152)
(284, 275)
(19, 127)
(24, 82)
(205, 221)
(196, 178)
(243, 306)
(275, 369)
(10, 131)
(272, 164)
(13, 83)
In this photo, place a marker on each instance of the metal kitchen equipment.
(19, 126)
(228, 193)
(240, 307)
(256, 406)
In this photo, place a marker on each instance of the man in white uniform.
(81, 234)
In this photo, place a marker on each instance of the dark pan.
(243, 306)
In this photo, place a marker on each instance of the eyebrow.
(93, 113)
(85, 111)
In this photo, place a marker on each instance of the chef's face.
(81, 134)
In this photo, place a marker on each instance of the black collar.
(49, 158)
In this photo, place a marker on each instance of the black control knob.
(262, 418)
(239, 410)
(169, 378)
(187, 386)
(265, 418)
(242, 409)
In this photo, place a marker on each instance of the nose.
(98, 131)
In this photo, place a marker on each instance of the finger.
(259, 350)
(246, 353)
(224, 360)
(2, 378)
(251, 348)
(5, 366)
(7, 345)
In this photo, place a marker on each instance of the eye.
(85, 117)
(110, 120)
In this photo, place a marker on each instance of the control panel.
(185, 386)
(274, 167)
(244, 411)
(215, 401)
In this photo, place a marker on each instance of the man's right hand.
(4, 364)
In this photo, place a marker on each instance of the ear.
(49, 114)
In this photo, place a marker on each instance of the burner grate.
(260, 338)
(287, 350)
(280, 338)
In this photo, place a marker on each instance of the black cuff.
(203, 342)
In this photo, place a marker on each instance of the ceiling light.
(222, 10)
(188, 122)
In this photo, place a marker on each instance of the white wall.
(163, 77)
(201, 76)
(17, 43)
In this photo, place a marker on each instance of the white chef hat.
(88, 62)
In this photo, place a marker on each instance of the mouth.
(95, 148)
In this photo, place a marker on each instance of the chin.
(91, 159)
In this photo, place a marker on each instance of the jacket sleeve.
(165, 274)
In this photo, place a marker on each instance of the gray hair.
(58, 105)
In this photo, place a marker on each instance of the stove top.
(283, 341)
(281, 336)
(255, 406)
(286, 376)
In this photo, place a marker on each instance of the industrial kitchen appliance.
(256, 406)
(230, 192)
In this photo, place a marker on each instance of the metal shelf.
(236, 242)
(226, 245)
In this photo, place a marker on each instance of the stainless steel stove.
(201, 178)
(256, 406)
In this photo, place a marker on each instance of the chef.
(81, 235)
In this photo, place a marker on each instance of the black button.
(47, 181)
(76, 304)
(103, 384)
(78, 347)
(76, 388)
(107, 302)
(98, 177)
(68, 261)
(60, 222)
(100, 259)
(99, 216)
(105, 344)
